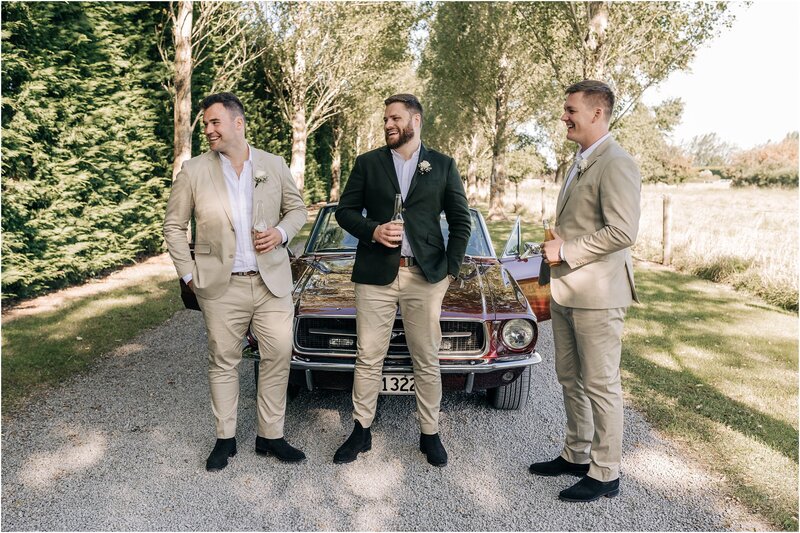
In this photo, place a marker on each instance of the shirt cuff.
(284, 238)
(187, 278)
(561, 253)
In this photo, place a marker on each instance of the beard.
(406, 135)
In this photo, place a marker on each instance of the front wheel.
(512, 396)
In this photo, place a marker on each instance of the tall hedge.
(85, 165)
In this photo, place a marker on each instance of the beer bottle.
(548, 236)
(259, 221)
(397, 217)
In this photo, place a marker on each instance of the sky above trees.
(743, 85)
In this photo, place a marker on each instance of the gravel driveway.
(124, 448)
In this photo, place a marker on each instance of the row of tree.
(100, 101)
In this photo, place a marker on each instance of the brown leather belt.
(407, 262)
(248, 273)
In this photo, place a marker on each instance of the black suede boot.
(589, 489)
(280, 449)
(558, 466)
(223, 449)
(431, 446)
(360, 440)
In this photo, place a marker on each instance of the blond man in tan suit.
(597, 220)
(241, 278)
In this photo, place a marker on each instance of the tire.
(513, 396)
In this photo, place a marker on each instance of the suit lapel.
(596, 154)
(422, 155)
(259, 168)
(388, 166)
(218, 180)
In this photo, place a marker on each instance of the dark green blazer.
(373, 184)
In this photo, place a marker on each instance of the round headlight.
(517, 334)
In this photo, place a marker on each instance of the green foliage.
(769, 165)
(709, 150)
(84, 171)
(642, 133)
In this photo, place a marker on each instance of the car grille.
(322, 335)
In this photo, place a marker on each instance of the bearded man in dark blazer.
(409, 266)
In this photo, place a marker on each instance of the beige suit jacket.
(200, 190)
(598, 218)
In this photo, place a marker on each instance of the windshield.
(328, 237)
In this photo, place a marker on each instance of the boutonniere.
(260, 177)
(582, 164)
(424, 167)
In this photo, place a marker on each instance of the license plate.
(397, 384)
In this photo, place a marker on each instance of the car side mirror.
(531, 248)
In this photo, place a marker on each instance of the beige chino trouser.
(248, 302)
(421, 306)
(588, 349)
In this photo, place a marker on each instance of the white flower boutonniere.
(582, 164)
(424, 167)
(260, 177)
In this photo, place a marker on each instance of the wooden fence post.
(667, 223)
(542, 202)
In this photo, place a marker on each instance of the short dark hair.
(409, 100)
(597, 92)
(229, 100)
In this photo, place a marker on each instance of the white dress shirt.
(405, 170)
(240, 195)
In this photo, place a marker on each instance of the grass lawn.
(43, 349)
(717, 371)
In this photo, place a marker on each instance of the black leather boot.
(360, 440)
(280, 449)
(223, 449)
(431, 446)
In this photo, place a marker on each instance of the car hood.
(484, 289)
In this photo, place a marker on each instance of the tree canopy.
(101, 100)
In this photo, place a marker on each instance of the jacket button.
(404, 210)
(230, 256)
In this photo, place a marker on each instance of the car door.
(524, 262)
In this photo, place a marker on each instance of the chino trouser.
(421, 306)
(248, 302)
(588, 349)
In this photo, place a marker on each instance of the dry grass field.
(747, 238)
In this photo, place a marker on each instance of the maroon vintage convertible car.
(489, 317)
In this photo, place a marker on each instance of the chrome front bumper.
(469, 370)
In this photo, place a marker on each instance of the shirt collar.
(226, 161)
(586, 153)
(415, 155)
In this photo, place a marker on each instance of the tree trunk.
(561, 171)
(182, 33)
(472, 169)
(336, 159)
(299, 138)
(472, 180)
(497, 187)
(598, 22)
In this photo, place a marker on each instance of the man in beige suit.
(241, 278)
(597, 219)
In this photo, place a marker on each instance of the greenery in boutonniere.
(261, 177)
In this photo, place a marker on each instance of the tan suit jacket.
(598, 218)
(200, 189)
